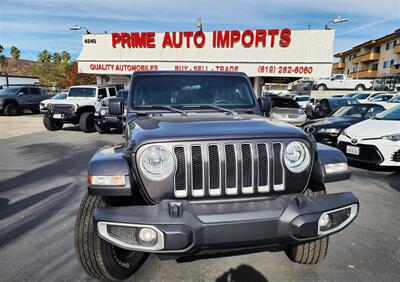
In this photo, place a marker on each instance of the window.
(374, 66)
(348, 71)
(385, 64)
(36, 91)
(388, 46)
(391, 62)
(377, 49)
(373, 111)
(111, 91)
(394, 43)
(24, 90)
(82, 92)
(102, 93)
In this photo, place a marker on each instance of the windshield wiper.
(171, 109)
(220, 109)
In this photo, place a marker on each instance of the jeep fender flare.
(325, 155)
(83, 109)
(110, 160)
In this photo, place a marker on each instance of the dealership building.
(265, 55)
(374, 58)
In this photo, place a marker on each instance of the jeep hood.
(81, 101)
(168, 127)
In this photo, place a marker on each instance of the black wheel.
(36, 111)
(102, 129)
(321, 87)
(11, 109)
(360, 87)
(52, 124)
(315, 251)
(86, 122)
(100, 259)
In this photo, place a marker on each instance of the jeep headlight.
(156, 163)
(297, 157)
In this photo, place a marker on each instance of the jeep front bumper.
(182, 227)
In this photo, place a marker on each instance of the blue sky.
(34, 25)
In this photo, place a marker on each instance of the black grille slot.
(262, 165)
(230, 159)
(180, 174)
(62, 108)
(278, 169)
(213, 158)
(247, 166)
(197, 168)
(396, 156)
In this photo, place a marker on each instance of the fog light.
(336, 168)
(147, 236)
(324, 221)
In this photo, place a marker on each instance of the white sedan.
(374, 141)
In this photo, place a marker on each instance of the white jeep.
(78, 107)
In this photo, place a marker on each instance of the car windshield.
(391, 114)
(337, 103)
(351, 111)
(362, 96)
(86, 92)
(381, 98)
(395, 99)
(302, 99)
(123, 94)
(8, 91)
(59, 96)
(191, 91)
(284, 103)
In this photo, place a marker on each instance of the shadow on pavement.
(242, 273)
(394, 180)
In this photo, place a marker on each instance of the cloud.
(365, 26)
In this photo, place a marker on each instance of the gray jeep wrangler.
(204, 172)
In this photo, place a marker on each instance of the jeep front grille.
(228, 169)
(67, 109)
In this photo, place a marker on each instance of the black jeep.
(204, 173)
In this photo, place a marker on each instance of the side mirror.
(20, 94)
(265, 105)
(116, 106)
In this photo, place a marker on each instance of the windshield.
(59, 96)
(395, 99)
(9, 90)
(353, 111)
(191, 91)
(284, 103)
(123, 94)
(381, 98)
(391, 114)
(82, 92)
(337, 103)
(302, 99)
(362, 96)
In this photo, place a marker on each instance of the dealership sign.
(262, 52)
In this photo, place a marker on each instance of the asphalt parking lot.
(43, 177)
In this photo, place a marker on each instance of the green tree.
(56, 58)
(3, 59)
(15, 53)
(65, 57)
(44, 57)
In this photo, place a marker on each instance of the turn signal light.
(106, 180)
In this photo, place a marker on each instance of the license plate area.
(353, 150)
(58, 116)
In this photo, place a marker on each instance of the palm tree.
(65, 57)
(3, 59)
(44, 56)
(15, 53)
(56, 58)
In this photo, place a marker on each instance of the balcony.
(364, 74)
(338, 66)
(395, 69)
(365, 58)
(396, 48)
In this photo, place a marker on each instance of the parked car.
(328, 105)
(103, 120)
(310, 106)
(287, 110)
(201, 173)
(15, 99)
(60, 96)
(365, 97)
(77, 108)
(326, 130)
(381, 98)
(302, 100)
(349, 95)
(394, 101)
(387, 83)
(375, 141)
(340, 81)
(304, 87)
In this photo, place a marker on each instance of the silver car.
(287, 110)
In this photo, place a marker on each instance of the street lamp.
(78, 27)
(199, 25)
(338, 20)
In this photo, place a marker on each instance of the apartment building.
(371, 59)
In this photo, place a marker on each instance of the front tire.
(51, 124)
(100, 259)
(322, 87)
(360, 87)
(86, 122)
(11, 109)
(315, 251)
(101, 130)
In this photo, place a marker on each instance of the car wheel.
(315, 251)
(100, 259)
(86, 122)
(51, 124)
(321, 87)
(101, 129)
(11, 109)
(360, 87)
(36, 111)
